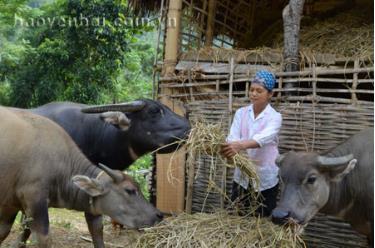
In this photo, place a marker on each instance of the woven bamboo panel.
(306, 127)
(205, 197)
(329, 232)
(321, 106)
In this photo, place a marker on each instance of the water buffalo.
(118, 134)
(42, 167)
(338, 183)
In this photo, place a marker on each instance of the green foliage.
(76, 50)
(143, 163)
(135, 80)
(4, 93)
(11, 47)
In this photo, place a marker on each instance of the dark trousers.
(267, 199)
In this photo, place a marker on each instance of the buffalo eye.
(131, 191)
(311, 179)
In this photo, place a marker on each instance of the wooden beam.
(247, 56)
(222, 68)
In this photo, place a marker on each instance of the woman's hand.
(228, 150)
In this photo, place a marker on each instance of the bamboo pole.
(280, 87)
(314, 84)
(325, 72)
(170, 194)
(154, 86)
(314, 81)
(230, 110)
(230, 100)
(172, 37)
(189, 187)
(217, 82)
(355, 82)
(210, 23)
(201, 24)
(244, 78)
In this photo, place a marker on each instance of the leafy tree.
(135, 79)
(11, 48)
(77, 54)
(60, 50)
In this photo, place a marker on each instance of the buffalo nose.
(280, 216)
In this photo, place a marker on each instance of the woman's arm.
(230, 149)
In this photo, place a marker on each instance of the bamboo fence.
(322, 104)
(330, 98)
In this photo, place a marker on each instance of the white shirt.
(264, 130)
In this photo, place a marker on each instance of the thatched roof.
(144, 7)
(253, 23)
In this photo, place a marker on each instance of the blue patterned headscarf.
(265, 78)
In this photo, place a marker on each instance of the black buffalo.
(117, 134)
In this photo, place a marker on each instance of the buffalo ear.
(91, 186)
(117, 119)
(338, 172)
(280, 159)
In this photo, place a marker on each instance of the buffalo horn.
(122, 107)
(115, 175)
(329, 162)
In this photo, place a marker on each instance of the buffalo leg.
(370, 239)
(95, 225)
(6, 223)
(39, 224)
(25, 234)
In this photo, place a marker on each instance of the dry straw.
(348, 34)
(206, 138)
(223, 228)
(219, 230)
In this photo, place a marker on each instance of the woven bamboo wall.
(325, 104)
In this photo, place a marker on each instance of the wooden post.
(210, 23)
(230, 100)
(280, 87)
(190, 184)
(172, 40)
(230, 110)
(291, 19)
(355, 82)
(201, 24)
(154, 87)
(171, 193)
(314, 101)
(314, 82)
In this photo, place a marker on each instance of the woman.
(255, 130)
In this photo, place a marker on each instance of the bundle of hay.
(219, 230)
(223, 228)
(206, 138)
(348, 34)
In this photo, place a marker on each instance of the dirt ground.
(68, 229)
